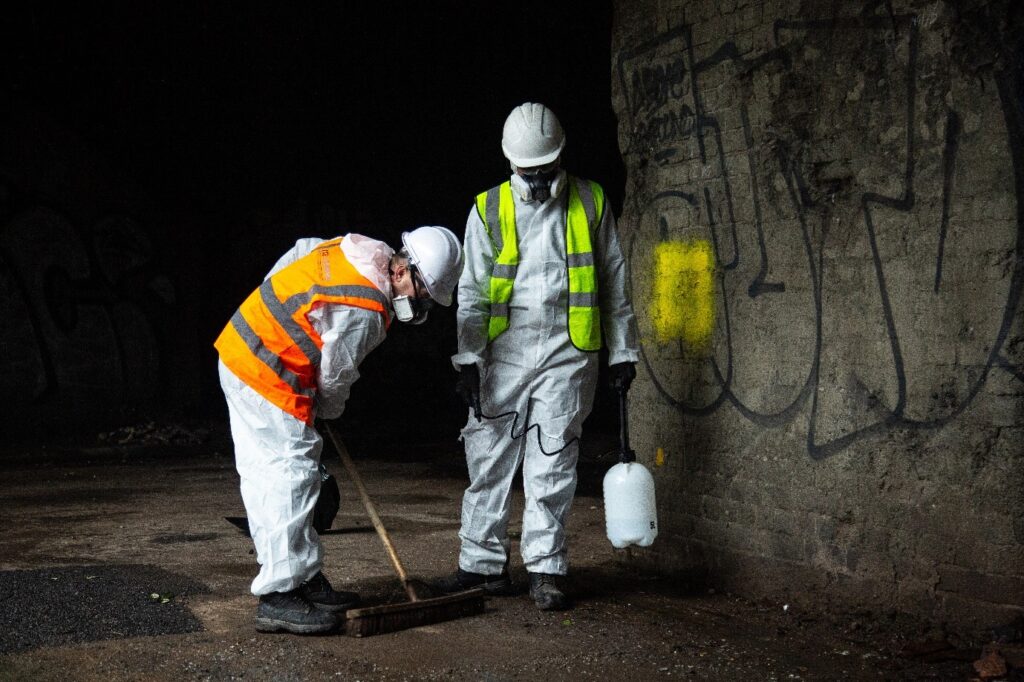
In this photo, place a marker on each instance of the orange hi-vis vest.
(270, 343)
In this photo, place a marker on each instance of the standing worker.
(544, 286)
(290, 354)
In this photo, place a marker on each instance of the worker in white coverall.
(543, 287)
(289, 355)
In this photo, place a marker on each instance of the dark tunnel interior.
(222, 133)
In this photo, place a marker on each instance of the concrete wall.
(824, 229)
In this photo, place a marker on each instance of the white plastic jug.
(630, 515)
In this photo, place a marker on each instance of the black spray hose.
(512, 429)
(626, 453)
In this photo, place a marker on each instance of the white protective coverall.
(533, 369)
(277, 455)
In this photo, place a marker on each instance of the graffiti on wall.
(77, 308)
(849, 275)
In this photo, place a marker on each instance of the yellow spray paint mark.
(659, 457)
(683, 304)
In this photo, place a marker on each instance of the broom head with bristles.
(375, 620)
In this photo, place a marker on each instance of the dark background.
(228, 130)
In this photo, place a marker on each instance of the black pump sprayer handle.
(626, 453)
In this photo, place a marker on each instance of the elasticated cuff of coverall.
(481, 568)
(292, 583)
(278, 586)
(467, 358)
(550, 566)
(625, 355)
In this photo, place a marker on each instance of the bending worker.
(290, 354)
(543, 289)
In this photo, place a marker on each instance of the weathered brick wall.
(824, 234)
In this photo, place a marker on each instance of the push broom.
(375, 620)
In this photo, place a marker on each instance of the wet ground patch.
(67, 605)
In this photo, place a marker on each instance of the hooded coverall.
(277, 453)
(534, 370)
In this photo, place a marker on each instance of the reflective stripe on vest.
(583, 215)
(270, 343)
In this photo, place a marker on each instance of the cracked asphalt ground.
(117, 563)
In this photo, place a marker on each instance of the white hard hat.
(532, 136)
(437, 255)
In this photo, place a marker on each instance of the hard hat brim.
(524, 162)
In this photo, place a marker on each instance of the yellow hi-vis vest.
(271, 345)
(583, 216)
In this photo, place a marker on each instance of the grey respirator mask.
(535, 185)
(413, 309)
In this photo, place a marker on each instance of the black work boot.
(545, 592)
(460, 581)
(318, 590)
(291, 612)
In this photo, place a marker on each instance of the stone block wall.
(823, 225)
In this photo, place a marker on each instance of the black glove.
(621, 375)
(327, 503)
(468, 387)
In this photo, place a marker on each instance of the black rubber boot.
(545, 592)
(460, 581)
(318, 590)
(292, 612)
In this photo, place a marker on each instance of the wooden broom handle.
(346, 460)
